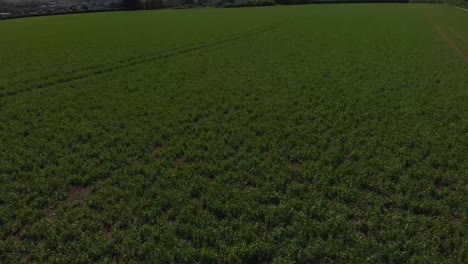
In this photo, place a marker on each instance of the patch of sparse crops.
(330, 133)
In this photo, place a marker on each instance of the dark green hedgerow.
(287, 136)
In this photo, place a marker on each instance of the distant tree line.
(9, 9)
(461, 3)
(158, 4)
(132, 4)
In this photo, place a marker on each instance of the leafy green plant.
(331, 133)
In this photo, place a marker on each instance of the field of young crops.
(331, 133)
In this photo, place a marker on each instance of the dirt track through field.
(443, 35)
(460, 36)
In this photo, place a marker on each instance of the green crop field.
(294, 134)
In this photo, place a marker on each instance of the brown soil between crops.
(76, 196)
(451, 43)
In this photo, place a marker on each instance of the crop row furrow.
(132, 62)
(81, 73)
